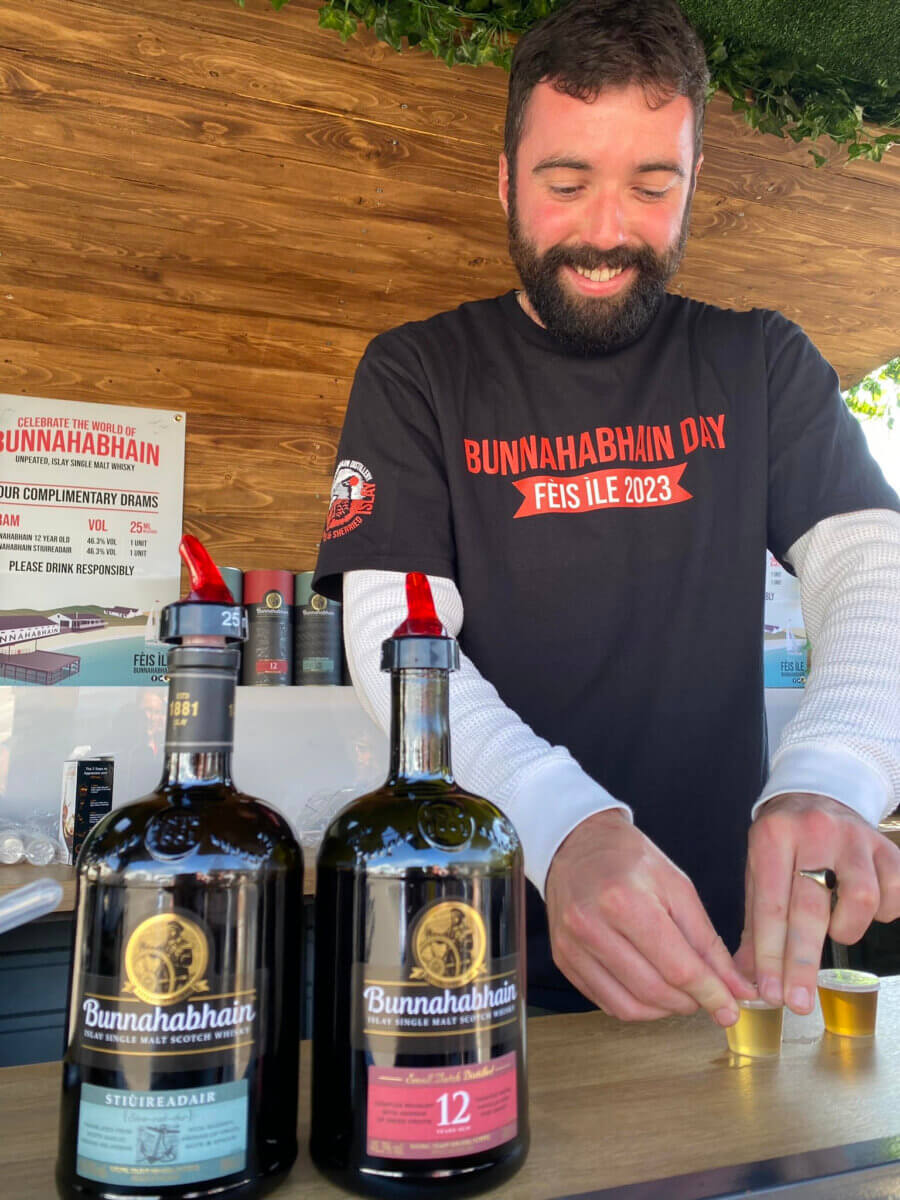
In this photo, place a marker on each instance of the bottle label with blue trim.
(162, 1138)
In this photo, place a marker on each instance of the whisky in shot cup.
(849, 1001)
(757, 1032)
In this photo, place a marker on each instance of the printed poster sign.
(90, 521)
(786, 649)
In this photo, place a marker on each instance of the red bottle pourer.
(208, 615)
(420, 641)
(206, 581)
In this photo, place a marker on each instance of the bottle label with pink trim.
(439, 1013)
(422, 1112)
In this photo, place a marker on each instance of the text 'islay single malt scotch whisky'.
(180, 1070)
(418, 1044)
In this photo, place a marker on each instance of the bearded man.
(590, 470)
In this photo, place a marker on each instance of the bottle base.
(389, 1185)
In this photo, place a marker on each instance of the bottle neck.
(420, 726)
(191, 769)
(199, 719)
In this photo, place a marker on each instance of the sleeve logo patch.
(352, 499)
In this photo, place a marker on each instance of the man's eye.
(565, 189)
(651, 194)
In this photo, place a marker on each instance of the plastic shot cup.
(40, 850)
(849, 1001)
(757, 1032)
(12, 847)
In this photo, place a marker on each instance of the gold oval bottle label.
(166, 959)
(449, 944)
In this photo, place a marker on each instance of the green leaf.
(339, 19)
(386, 31)
(779, 94)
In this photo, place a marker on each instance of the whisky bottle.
(418, 1018)
(182, 1042)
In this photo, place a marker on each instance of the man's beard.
(586, 324)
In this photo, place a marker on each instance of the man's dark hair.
(588, 45)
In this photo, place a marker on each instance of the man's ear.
(503, 183)
(697, 165)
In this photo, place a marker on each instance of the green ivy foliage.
(787, 95)
(790, 96)
(877, 396)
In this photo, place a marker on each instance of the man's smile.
(601, 281)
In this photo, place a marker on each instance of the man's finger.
(808, 917)
(858, 894)
(641, 976)
(772, 865)
(743, 957)
(594, 981)
(698, 931)
(731, 971)
(887, 868)
(613, 950)
(662, 941)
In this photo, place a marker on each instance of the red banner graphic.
(620, 488)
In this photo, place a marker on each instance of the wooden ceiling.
(822, 245)
(215, 209)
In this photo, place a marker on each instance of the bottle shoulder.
(176, 831)
(421, 825)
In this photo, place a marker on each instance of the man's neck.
(525, 305)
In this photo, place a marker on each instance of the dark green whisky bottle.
(418, 1026)
(180, 1069)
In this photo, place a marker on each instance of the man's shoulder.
(712, 320)
(469, 320)
(700, 314)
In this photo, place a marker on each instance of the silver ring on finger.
(823, 876)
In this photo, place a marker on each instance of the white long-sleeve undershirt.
(843, 742)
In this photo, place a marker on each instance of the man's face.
(599, 210)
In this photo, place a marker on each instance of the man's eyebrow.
(561, 162)
(564, 163)
(672, 168)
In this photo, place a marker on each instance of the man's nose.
(603, 220)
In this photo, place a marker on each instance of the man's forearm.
(844, 741)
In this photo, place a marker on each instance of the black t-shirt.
(606, 519)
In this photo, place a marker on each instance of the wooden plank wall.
(215, 209)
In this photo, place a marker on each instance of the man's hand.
(628, 930)
(788, 916)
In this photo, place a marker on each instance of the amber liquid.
(757, 1032)
(849, 1013)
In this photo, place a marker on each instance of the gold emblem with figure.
(449, 945)
(166, 959)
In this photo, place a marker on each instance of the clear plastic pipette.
(29, 902)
